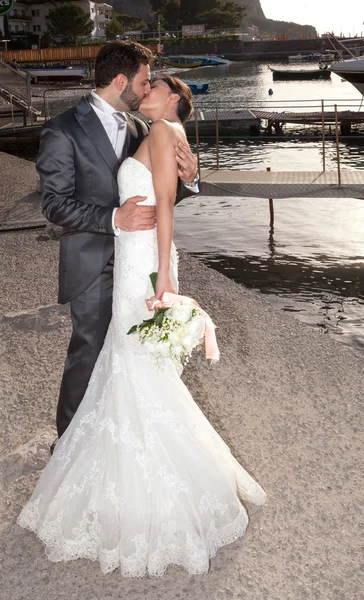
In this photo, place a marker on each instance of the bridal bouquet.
(177, 327)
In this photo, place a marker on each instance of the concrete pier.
(285, 398)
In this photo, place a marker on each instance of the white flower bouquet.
(177, 327)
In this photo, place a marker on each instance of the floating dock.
(283, 184)
(249, 120)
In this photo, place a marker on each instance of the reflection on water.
(311, 263)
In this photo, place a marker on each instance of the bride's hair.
(177, 86)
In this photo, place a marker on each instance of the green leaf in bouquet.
(146, 322)
(159, 316)
(132, 329)
(153, 279)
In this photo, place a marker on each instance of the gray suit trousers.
(91, 315)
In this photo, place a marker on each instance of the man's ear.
(121, 81)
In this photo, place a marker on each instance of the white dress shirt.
(112, 129)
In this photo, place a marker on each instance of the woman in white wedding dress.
(140, 479)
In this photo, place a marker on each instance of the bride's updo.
(177, 86)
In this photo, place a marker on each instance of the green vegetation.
(219, 14)
(113, 28)
(69, 22)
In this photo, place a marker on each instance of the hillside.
(253, 7)
(255, 15)
(141, 8)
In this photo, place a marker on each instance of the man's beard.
(130, 98)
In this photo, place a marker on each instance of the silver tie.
(120, 140)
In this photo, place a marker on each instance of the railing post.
(217, 139)
(323, 136)
(337, 148)
(12, 110)
(29, 97)
(197, 144)
(271, 207)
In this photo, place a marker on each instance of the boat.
(326, 56)
(352, 70)
(59, 73)
(197, 87)
(209, 59)
(300, 74)
(182, 62)
(297, 57)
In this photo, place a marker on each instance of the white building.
(27, 19)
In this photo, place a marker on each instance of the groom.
(80, 153)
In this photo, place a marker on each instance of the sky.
(326, 15)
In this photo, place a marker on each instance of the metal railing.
(15, 87)
(272, 106)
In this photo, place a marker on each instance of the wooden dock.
(283, 184)
(249, 120)
(229, 121)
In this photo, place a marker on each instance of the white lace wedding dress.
(140, 479)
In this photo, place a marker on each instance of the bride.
(140, 479)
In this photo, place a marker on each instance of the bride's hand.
(164, 284)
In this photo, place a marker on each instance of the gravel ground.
(285, 398)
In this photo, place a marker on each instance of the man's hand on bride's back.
(133, 217)
(187, 163)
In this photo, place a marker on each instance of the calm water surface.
(312, 263)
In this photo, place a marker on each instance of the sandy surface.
(284, 397)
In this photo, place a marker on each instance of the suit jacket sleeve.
(56, 167)
(183, 192)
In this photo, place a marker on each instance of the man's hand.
(187, 163)
(132, 217)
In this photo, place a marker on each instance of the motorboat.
(352, 70)
(210, 59)
(182, 62)
(300, 74)
(197, 87)
(58, 73)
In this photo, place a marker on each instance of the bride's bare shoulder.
(169, 131)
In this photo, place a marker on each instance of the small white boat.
(297, 57)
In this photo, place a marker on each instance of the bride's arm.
(161, 143)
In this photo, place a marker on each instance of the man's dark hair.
(120, 57)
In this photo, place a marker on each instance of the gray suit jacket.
(78, 170)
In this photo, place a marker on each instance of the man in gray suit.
(80, 154)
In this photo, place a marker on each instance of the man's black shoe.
(51, 449)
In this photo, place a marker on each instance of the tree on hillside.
(212, 13)
(168, 11)
(113, 28)
(69, 22)
(224, 16)
(130, 23)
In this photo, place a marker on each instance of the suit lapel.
(94, 129)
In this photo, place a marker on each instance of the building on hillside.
(31, 19)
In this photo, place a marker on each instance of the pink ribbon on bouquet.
(211, 348)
